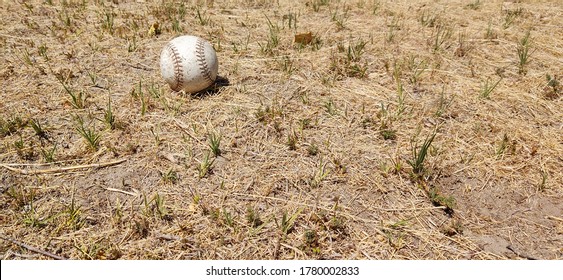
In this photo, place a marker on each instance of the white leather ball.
(189, 63)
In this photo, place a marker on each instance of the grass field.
(337, 130)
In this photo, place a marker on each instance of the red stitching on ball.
(200, 53)
(178, 73)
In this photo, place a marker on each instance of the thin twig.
(31, 248)
(122, 191)
(185, 130)
(138, 66)
(62, 169)
(554, 218)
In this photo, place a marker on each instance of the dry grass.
(305, 153)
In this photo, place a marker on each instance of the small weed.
(340, 18)
(330, 107)
(132, 44)
(109, 117)
(26, 153)
(10, 126)
(428, 19)
(391, 32)
(107, 20)
(78, 100)
(253, 217)
(228, 218)
(463, 48)
(542, 186)
(287, 65)
(312, 149)
(487, 88)
(42, 50)
(268, 113)
(506, 145)
(419, 155)
(273, 39)
(440, 200)
(38, 128)
(523, 50)
(206, 165)
(319, 175)
(27, 58)
(311, 238)
(89, 134)
(49, 155)
(317, 4)
(510, 17)
(552, 90)
(291, 20)
(288, 223)
(74, 218)
(292, 140)
(490, 33)
(215, 143)
(170, 176)
(387, 132)
(161, 209)
(202, 19)
(417, 67)
(443, 104)
(441, 37)
(348, 62)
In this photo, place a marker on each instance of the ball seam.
(201, 61)
(176, 61)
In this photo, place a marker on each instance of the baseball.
(188, 63)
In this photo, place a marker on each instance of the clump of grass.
(419, 155)
(273, 38)
(11, 125)
(268, 114)
(205, 165)
(49, 155)
(444, 104)
(312, 149)
(292, 140)
(510, 17)
(439, 199)
(487, 88)
(552, 90)
(253, 217)
(170, 176)
(109, 117)
(107, 17)
(73, 214)
(523, 51)
(319, 175)
(24, 152)
(78, 100)
(89, 134)
(505, 145)
(428, 18)
(201, 17)
(340, 18)
(542, 186)
(330, 107)
(288, 222)
(215, 144)
(348, 61)
(441, 37)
